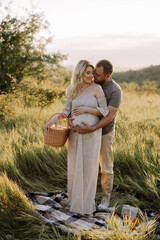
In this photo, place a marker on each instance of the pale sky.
(126, 32)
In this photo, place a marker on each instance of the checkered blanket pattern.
(54, 210)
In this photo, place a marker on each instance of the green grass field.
(28, 165)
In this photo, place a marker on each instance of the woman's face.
(88, 75)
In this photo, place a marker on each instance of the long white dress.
(83, 156)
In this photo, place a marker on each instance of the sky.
(126, 32)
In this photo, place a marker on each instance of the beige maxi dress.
(83, 155)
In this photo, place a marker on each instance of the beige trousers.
(106, 164)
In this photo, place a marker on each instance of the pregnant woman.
(85, 102)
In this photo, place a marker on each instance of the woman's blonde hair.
(77, 78)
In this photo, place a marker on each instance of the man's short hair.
(107, 66)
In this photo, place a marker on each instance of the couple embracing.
(92, 101)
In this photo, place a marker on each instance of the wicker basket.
(56, 137)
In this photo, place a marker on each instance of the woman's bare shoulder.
(69, 90)
(98, 90)
(96, 85)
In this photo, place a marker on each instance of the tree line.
(150, 75)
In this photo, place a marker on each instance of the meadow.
(28, 165)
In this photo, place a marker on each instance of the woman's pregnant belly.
(86, 117)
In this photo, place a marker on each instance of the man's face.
(99, 76)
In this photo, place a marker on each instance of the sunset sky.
(126, 32)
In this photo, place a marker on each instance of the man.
(113, 94)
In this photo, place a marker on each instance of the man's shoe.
(103, 205)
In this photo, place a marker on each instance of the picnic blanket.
(54, 209)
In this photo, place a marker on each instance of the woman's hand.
(79, 110)
(54, 120)
(71, 125)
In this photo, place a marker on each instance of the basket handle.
(61, 114)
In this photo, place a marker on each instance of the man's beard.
(100, 83)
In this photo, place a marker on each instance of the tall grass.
(18, 219)
(27, 164)
(127, 231)
(24, 156)
(137, 151)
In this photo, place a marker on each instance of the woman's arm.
(66, 110)
(81, 110)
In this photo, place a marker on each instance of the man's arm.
(103, 122)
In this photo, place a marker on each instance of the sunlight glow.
(93, 27)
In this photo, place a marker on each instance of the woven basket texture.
(56, 136)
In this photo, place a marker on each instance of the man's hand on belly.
(86, 128)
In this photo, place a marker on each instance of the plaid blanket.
(54, 210)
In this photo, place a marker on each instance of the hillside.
(151, 73)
